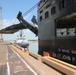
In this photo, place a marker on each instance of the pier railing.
(52, 62)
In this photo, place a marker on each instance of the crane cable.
(30, 9)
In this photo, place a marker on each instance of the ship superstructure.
(57, 29)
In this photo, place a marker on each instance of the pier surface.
(11, 63)
(17, 62)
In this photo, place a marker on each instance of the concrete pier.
(14, 61)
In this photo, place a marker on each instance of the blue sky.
(10, 9)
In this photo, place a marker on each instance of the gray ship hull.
(60, 48)
(57, 29)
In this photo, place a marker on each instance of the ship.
(21, 40)
(56, 29)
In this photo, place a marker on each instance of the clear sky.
(10, 9)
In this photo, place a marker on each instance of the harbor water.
(33, 47)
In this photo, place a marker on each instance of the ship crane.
(26, 24)
(23, 24)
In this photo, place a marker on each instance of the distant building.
(1, 23)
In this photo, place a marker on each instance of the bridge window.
(53, 10)
(40, 18)
(46, 14)
(61, 5)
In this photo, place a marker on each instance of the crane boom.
(26, 24)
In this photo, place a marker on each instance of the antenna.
(21, 33)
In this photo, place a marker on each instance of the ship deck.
(17, 62)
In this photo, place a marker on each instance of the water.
(34, 47)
